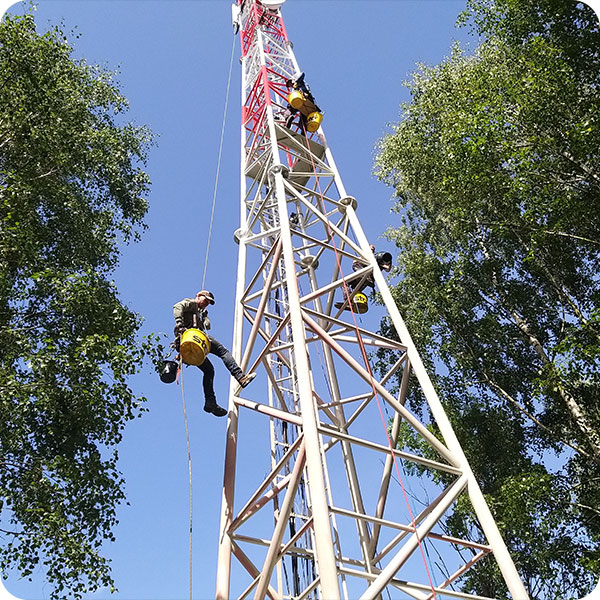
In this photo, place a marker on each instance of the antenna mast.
(322, 516)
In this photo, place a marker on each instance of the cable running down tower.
(326, 515)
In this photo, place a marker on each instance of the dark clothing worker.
(191, 312)
(383, 259)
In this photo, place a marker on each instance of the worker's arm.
(180, 308)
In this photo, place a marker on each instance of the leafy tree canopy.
(71, 191)
(495, 166)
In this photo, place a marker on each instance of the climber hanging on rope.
(384, 261)
(192, 312)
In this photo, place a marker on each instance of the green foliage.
(71, 191)
(495, 168)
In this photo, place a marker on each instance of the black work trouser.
(208, 370)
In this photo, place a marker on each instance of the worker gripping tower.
(326, 515)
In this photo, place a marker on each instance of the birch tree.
(72, 191)
(495, 167)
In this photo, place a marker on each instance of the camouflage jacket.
(187, 313)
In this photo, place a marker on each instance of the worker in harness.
(192, 312)
(299, 84)
(357, 285)
(383, 260)
(301, 102)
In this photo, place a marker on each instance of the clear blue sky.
(173, 58)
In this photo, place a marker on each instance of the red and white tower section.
(323, 509)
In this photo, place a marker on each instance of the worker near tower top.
(192, 312)
(309, 106)
(299, 84)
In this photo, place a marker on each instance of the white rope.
(212, 212)
(187, 437)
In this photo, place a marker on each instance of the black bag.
(168, 373)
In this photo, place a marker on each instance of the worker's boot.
(211, 406)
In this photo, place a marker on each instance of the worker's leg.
(210, 400)
(219, 350)
(208, 372)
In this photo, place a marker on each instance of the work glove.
(179, 329)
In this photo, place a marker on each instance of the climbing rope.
(368, 367)
(212, 212)
(180, 372)
(187, 438)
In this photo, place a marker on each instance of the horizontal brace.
(249, 238)
(407, 585)
(295, 550)
(393, 525)
(367, 341)
(323, 243)
(432, 464)
(338, 334)
(270, 411)
(383, 522)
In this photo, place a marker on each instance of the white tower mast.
(323, 518)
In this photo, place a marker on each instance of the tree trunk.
(576, 412)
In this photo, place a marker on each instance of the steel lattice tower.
(324, 518)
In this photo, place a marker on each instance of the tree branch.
(576, 412)
(573, 408)
(589, 172)
(560, 290)
(50, 172)
(516, 227)
(586, 507)
(516, 403)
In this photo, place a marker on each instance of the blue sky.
(173, 58)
